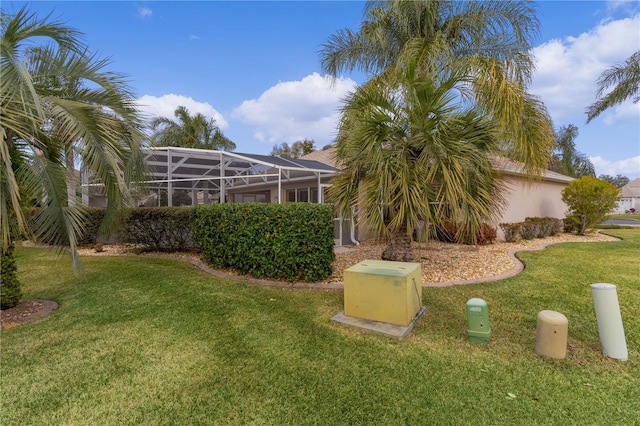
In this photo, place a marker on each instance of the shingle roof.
(326, 156)
(505, 165)
(631, 190)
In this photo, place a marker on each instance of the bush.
(558, 226)
(547, 226)
(529, 230)
(10, 291)
(511, 231)
(93, 221)
(532, 227)
(450, 233)
(589, 200)
(159, 228)
(282, 241)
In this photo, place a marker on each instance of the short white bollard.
(610, 328)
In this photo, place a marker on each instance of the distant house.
(183, 176)
(629, 197)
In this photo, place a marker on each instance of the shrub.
(511, 231)
(546, 225)
(529, 230)
(450, 233)
(93, 220)
(589, 200)
(10, 291)
(557, 227)
(159, 228)
(282, 241)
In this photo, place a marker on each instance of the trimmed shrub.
(529, 230)
(279, 241)
(545, 225)
(557, 226)
(10, 291)
(511, 231)
(449, 233)
(159, 229)
(89, 235)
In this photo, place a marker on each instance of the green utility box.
(383, 291)
(478, 328)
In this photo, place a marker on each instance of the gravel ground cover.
(441, 262)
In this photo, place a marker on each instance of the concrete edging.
(518, 267)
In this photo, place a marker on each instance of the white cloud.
(294, 110)
(624, 112)
(194, 37)
(166, 105)
(144, 12)
(567, 69)
(629, 167)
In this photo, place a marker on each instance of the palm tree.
(57, 104)
(566, 158)
(191, 132)
(625, 78)
(411, 153)
(480, 53)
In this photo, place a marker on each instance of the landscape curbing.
(518, 267)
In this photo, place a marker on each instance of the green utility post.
(478, 327)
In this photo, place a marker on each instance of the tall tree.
(189, 132)
(566, 158)
(618, 181)
(295, 150)
(95, 118)
(625, 80)
(411, 154)
(480, 52)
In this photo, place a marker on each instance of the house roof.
(631, 190)
(193, 168)
(326, 156)
(505, 165)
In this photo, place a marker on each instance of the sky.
(254, 66)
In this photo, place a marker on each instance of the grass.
(157, 342)
(634, 216)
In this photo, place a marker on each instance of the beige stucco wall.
(522, 199)
(531, 199)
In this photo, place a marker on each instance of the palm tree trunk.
(399, 249)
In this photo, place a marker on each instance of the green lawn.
(155, 342)
(633, 216)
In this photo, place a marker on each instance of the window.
(257, 197)
(303, 195)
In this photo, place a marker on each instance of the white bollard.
(610, 328)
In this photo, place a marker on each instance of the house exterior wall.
(531, 199)
(536, 199)
(522, 199)
(627, 203)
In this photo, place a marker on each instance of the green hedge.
(10, 289)
(279, 241)
(448, 233)
(532, 227)
(93, 220)
(159, 228)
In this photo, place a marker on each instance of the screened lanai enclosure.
(180, 176)
(185, 176)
